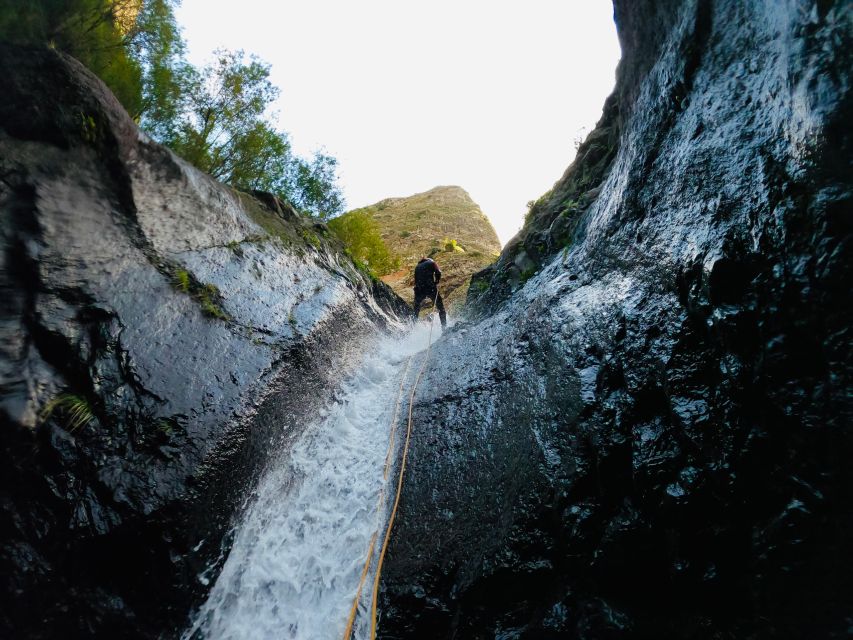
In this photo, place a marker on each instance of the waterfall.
(300, 548)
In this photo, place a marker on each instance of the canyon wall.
(160, 334)
(645, 430)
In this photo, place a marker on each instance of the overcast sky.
(487, 95)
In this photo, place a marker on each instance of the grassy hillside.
(423, 225)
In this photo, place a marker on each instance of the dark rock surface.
(189, 326)
(646, 433)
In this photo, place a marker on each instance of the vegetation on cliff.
(217, 117)
(363, 240)
(443, 223)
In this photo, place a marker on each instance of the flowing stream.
(298, 554)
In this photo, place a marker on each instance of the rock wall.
(159, 334)
(646, 433)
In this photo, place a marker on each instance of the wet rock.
(649, 436)
(160, 334)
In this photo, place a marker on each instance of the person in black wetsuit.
(427, 275)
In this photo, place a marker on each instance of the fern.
(76, 410)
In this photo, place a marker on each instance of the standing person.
(427, 275)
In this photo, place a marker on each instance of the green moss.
(182, 280)
(207, 295)
(527, 274)
(267, 219)
(88, 128)
(236, 248)
(479, 286)
(311, 238)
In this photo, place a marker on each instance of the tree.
(315, 188)
(225, 131)
(159, 50)
(96, 32)
(223, 123)
(216, 117)
(360, 234)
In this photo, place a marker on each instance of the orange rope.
(399, 491)
(380, 501)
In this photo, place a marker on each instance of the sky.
(485, 94)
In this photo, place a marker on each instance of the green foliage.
(215, 117)
(74, 409)
(570, 205)
(450, 245)
(221, 124)
(223, 130)
(314, 186)
(534, 206)
(181, 280)
(311, 238)
(480, 285)
(96, 32)
(88, 128)
(360, 235)
(207, 295)
(165, 73)
(165, 427)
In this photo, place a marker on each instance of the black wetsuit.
(427, 275)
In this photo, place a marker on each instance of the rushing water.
(298, 554)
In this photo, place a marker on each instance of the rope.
(380, 501)
(354, 610)
(399, 486)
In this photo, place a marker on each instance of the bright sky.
(485, 94)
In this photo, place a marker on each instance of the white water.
(298, 554)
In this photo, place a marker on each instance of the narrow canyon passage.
(638, 428)
(300, 548)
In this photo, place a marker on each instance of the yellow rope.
(399, 491)
(380, 501)
(354, 610)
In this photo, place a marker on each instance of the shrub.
(450, 245)
(534, 206)
(360, 235)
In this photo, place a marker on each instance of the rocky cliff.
(444, 223)
(159, 334)
(646, 433)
